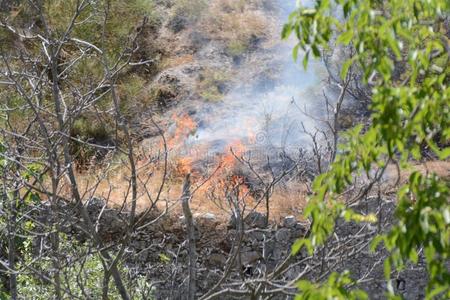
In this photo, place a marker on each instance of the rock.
(298, 231)
(293, 272)
(248, 258)
(110, 222)
(139, 245)
(253, 220)
(206, 222)
(256, 219)
(269, 247)
(142, 256)
(289, 221)
(209, 217)
(178, 23)
(256, 235)
(217, 260)
(277, 254)
(283, 235)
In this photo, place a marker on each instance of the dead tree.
(190, 229)
(43, 90)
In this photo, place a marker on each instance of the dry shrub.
(174, 61)
(237, 23)
(162, 95)
(192, 10)
(213, 84)
(133, 95)
(93, 129)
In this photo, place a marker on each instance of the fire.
(235, 149)
(226, 178)
(185, 126)
(184, 165)
(238, 181)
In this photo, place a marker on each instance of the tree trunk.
(190, 228)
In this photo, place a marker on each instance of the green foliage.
(13, 203)
(164, 258)
(408, 111)
(334, 288)
(83, 276)
(87, 129)
(13, 109)
(106, 24)
(117, 28)
(91, 20)
(81, 267)
(424, 221)
(134, 95)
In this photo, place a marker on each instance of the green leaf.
(299, 244)
(345, 67)
(387, 269)
(295, 52)
(164, 258)
(286, 32)
(315, 50)
(375, 242)
(305, 60)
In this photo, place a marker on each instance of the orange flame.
(236, 149)
(225, 178)
(184, 165)
(185, 126)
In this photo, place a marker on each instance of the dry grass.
(113, 185)
(191, 9)
(237, 23)
(440, 168)
(213, 84)
(289, 199)
(174, 61)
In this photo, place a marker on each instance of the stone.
(209, 217)
(253, 220)
(256, 219)
(248, 258)
(269, 247)
(139, 245)
(142, 256)
(217, 260)
(178, 23)
(110, 221)
(289, 221)
(277, 254)
(283, 235)
(256, 235)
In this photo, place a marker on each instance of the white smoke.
(275, 115)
